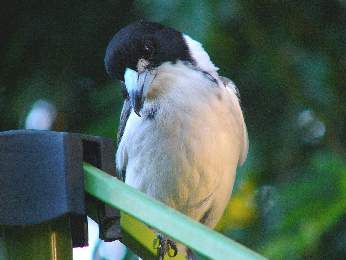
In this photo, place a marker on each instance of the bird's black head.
(148, 42)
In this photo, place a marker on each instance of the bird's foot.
(166, 246)
(172, 248)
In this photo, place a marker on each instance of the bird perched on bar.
(182, 132)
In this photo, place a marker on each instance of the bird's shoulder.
(229, 84)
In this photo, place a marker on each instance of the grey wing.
(124, 116)
(125, 113)
(229, 84)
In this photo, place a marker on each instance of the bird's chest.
(176, 152)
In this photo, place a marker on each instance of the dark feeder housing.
(43, 206)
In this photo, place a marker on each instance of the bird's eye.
(148, 50)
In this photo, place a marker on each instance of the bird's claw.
(172, 249)
(161, 246)
(166, 246)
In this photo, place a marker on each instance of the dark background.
(286, 57)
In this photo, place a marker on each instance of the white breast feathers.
(185, 149)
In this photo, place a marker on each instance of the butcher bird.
(182, 132)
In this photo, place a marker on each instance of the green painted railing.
(136, 207)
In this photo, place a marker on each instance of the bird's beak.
(137, 85)
(136, 98)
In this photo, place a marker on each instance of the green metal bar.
(47, 241)
(181, 228)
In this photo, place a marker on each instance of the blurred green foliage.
(288, 59)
